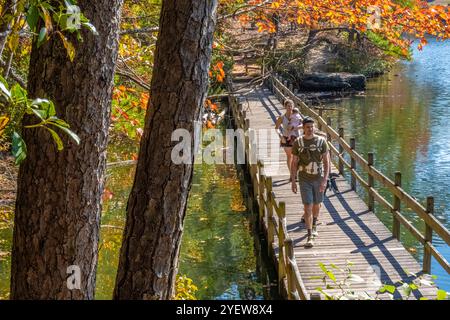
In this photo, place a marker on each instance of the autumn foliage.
(395, 21)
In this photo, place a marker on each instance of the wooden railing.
(282, 89)
(271, 211)
(274, 212)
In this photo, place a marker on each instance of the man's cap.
(307, 120)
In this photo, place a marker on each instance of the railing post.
(314, 296)
(371, 202)
(270, 225)
(247, 139)
(428, 238)
(353, 164)
(281, 238)
(341, 151)
(320, 115)
(395, 221)
(261, 205)
(254, 169)
(329, 125)
(289, 272)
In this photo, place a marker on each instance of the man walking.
(311, 160)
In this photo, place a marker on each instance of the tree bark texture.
(157, 203)
(58, 204)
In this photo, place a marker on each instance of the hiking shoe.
(309, 242)
(314, 232)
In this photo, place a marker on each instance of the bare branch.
(14, 74)
(141, 30)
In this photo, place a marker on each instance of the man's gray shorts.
(309, 191)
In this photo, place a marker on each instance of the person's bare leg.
(315, 214)
(289, 157)
(308, 217)
(316, 209)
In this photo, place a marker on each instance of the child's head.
(295, 110)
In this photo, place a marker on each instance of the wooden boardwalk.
(348, 230)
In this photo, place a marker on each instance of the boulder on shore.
(332, 81)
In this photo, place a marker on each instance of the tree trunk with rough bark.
(58, 206)
(157, 203)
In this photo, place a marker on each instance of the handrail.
(273, 211)
(426, 214)
(270, 210)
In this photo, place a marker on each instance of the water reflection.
(404, 119)
(217, 250)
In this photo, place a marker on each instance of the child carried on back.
(295, 121)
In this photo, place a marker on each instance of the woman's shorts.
(288, 143)
(309, 191)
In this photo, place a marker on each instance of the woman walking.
(287, 136)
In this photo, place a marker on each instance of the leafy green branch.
(16, 104)
(330, 282)
(67, 17)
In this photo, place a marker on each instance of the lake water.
(404, 118)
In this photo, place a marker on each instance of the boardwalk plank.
(347, 229)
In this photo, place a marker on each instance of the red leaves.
(107, 195)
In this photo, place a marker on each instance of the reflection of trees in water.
(217, 246)
(394, 124)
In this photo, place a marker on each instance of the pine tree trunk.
(157, 203)
(58, 206)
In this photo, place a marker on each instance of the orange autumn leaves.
(216, 71)
(128, 110)
(386, 18)
(210, 106)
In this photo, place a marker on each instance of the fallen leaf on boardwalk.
(412, 250)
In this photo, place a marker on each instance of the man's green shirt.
(310, 154)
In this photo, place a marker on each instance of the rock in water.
(332, 81)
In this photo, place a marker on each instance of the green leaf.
(413, 286)
(32, 17)
(406, 289)
(18, 94)
(56, 138)
(441, 295)
(19, 148)
(335, 267)
(316, 278)
(389, 288)
(42, 36)
(13, 41)
(71, 134)
(322, 266)
(4, 87)
(41, 114)
(46, 108)
(69, 46)
(331, 275)
(40, 102)
(91, 27)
